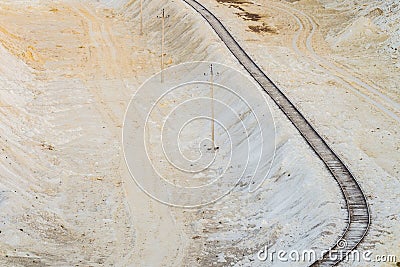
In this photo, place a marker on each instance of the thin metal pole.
(162, 45)
(141, 17)
(212, 108)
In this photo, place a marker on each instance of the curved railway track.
(357, 207)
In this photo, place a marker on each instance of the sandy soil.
(346, 85)
(68, 70)
(66, 85)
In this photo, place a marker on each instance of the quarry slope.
(68, 70)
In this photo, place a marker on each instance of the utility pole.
(212, 74)
(163, 17)
(141, 17)
(212, 106)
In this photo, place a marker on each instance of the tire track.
(100, 38)
(357, 206)
(106, 57)
(388, 106)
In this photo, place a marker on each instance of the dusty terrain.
(68, 70)
(341, 68)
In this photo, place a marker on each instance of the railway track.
(358, 219)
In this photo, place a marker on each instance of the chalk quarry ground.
(68, 70)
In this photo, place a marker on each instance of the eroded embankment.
(62, 155)
(298, 201)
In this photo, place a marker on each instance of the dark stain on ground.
(375, 13)
(239, 2)
(249, 16)
(237, 7)
(263, 28)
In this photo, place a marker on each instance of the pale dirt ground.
(70, 100)
(68, 71)
(346, 84)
